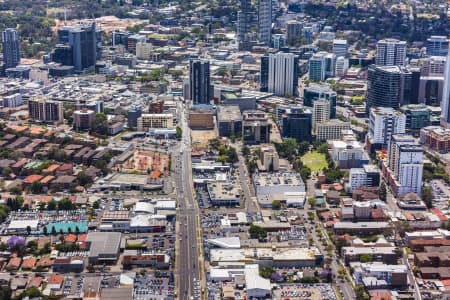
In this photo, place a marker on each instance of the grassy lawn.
(315, 161)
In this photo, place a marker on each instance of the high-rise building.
(83, 119)
(390, 86)
(13, 100)
(331, 130)
(315, 92)
(391, 52)
(296, 122)
(445, 102)
(44, 110)
(431, 90)
(82, 41)
(244, 25)
(294, 31)
(255, 127)
(11, 48)
(144, 51)
(405, 165)
(433, 66)
(330, 65)
(133, 114)
(340, 48)
(317, 67)
(437, 45)
(368, 175)
(417, 116)
(321, 112)
(278, 41)
(341, 66)
(265, 21)
(383, 123)
(279, 74)
(199, 82)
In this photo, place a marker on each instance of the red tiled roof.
(56, 279)
(51, 168)
(28, 263)
(36, 281)
(65, 167)
(32, 178)
(70, 238)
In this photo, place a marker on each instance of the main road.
(188, 254)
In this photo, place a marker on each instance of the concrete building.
(279, 74)
(321, 113)
(342, 66)
(245, 22)
(144, 51)
(362, 210)
(379, 275)
(340, 48)
(445, 101)
(265, 21)
(368, 175)
(229, 121)
(383, 123)
(417, 116)
(296, 122)
(11, 48)
(273, 186)
(317, 67)
(256, 127)
(199, 81)
(348, 153)
(293, 32)
(104, 247)
(331, 130)
(316, 92)
(44, 110)
(385, 254)
(405, 165)
(391, 86)
(83, 119)
(147, 121)
(13, 100)
(437, 45)
(436, 138)
(268, 159)
(433, 66)
(391, 52)
(200, 118)
(133, 114)
(224, 193)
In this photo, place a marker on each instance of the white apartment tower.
(445, 102)
(321, 112)
(282, 75)
(340, 48)
(383, 123)
(391, 52)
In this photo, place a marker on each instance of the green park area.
(315, 161)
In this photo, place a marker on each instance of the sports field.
(315, 161)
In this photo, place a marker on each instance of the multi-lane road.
(188, 254)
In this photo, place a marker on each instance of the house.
(64, 169)
(28, 263)
(63, 182)
(50, 169)
(29, 180)
(44, 263)
(55, 282)
(14, 264)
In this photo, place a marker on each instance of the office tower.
(445, 102)
(244, 25)
(405, 162)
(296, 122)
(433, 66)
(391, 52)
(279, 74)
(340, 48)
(431, 90)
(255, 127)
(390, 87)
(265, 21)
(437, 45)
(315, 92)
(417, 116)
(13, 100)
(383, 123)
(144, 51)
(43, 110)
(317, 66)
(199, 81)
(133, 114)
(341, 66)
(81, 40)
(278, 41)
(11, 48)
(120, 38)
(293, 32)
(330, 65)
(321, 112)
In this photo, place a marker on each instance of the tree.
(179, 132)
(427, 196)
(53, 230)
(82, 178)
(65, 204)
(51, 205)
(365, 258)
(303, 148)
(45, 230)
(100, 124)
(333, 175)
(28, 230)
(245, 151)
(77, 230)
(287, 149)
(361, 293)
(382, 192)
(257, 232)
(276, 204)
(96, 205)
(36, 187)
(312, 202)
(6, 171)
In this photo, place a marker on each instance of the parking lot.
(157, 286)
(305, 291)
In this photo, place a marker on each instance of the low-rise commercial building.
(147, 121)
